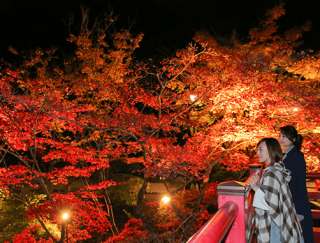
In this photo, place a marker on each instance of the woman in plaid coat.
(275, 216)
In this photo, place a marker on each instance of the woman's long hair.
(274, 149)
(292, 134)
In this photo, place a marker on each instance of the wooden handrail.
(218, 226)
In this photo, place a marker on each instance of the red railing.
(233, 220)
(218, 226)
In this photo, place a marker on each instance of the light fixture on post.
(64, 218)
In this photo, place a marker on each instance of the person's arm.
(298, 180)
(300, 196)
(254, 181)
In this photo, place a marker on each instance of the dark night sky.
(167, 24)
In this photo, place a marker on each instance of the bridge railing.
(223, 220)
(233, 221)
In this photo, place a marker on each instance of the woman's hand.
(254, 181)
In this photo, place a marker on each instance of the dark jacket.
(294, 161)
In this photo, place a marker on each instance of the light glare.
(65, 216)
(166, 199)
(193, 97)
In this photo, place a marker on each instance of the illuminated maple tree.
(61, 125)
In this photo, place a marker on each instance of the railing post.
(235, 211)
(239, 193)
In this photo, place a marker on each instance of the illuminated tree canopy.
(61, 124)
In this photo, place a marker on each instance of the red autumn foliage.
(133, 231)
(207, 104)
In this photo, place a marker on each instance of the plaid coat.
(274, 184)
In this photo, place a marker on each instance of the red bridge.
(233, 222)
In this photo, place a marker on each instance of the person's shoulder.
(296, 153)
(299, 154)
(270, 171)
(278, 170)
